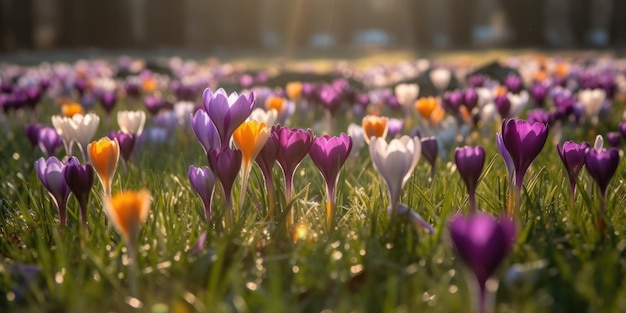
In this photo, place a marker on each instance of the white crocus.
(592, 100)
(440, 77)
(518, 102)
(407, 93)
(395, 163)
(358, 139)
(82, 129)
(131, 122)
(183, 110)
(61, 125)
(262, 116)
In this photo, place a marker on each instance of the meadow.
(567, 254)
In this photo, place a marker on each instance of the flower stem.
(472, 202)
(330, 207)
(288, 194)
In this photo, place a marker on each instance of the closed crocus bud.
(538, 93)
(592, 101)
(104, 155)
(293, 146)
(622, 130)
(601, 165)
(452, 100)
(203, 182)
(374, 126)
(126, 142)
(205, 131)
(573, 157)
(82, 129)
(470, 99)
(127, 211)
(50, 174)
(131, 122)
(266, 160)
(514, 84)
(614, 139)
(358, 138)
(523, 141)
(79, 179)
(406, 93)
(249, 138)
(49, 140)
(227, 111)
(32, 133)
(440, 77)
(395, 163)
(503, 104)
(226, 164)
(469, 162)
(61, 125)
(294, 90)
(430, 151)
(482, 242)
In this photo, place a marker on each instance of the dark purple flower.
(154, 104)
(32, 133)
(49, 140)
(524, 141)
(452, 100)
(329, 154)
(205, 131)
(203, 182)
(503, 104)
(602, 165)
(79, 179)
(470, 161)
(293, 146)
(614, 139)
(482, 242)
(394, 127)
(50, 173)
(107, 99)
(246, 81)
(430, 150)
(622, 130)
(573, 157)
(538, 93)
(227, 111)
(470, 99)
(266, 160)
(540, 116)
(126, 141)
(330, 98)
(607, 83)
(513, 83)
(226, 164)
(476, 80)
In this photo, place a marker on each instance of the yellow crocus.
(294, 90)
(374, 126)
(104, 155)
(127, 211)
(276, 103)
(430, 109)
(71, 108)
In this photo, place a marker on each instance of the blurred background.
(306, 25)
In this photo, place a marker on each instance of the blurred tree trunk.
(617, 28)
(526, 18)
(419, 18)
(463, 22)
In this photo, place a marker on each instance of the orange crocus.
(430, 109)
(276, 103)
(72, 108)
(374, 126)
(294, 90)
(104, 155)
(149, 84)
(249, 137)
(127, 211)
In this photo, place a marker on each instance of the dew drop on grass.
(389, 245)
(58, 277)
(302, 172)
(356, 269)
(10, 296)
(16, 156)
(251, 285)
(295, 269)
(134, 302)
(452, 273)
(337, 255)
(453, 289)
(362, 252)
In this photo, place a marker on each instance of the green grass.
(369, 263)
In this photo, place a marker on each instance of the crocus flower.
(573, 157)
(50, 173)
(614, 139)
(82, 129)
(394, 127)
(205, 131)
(107, 99)
(71, 108)
(430, 151)
(482, 242)
(452, 100)
(470, 161)
(262, 116)
(470, 99)
(513, 83)
(32, 133)
(249, 138)
(601, 165)
(227, 111)
(104, 155)
(358, 138)
(592, 101)
(440, 77)
(203, 182)
(406, 93)
(523, 141)
(430, 109)
(284, 108)
(79, 179)
(266, 160)
(226, 163)
(395, 163)
(374, 126)
(131, 122)
(49, 140)
(61, 124)
(126, 142)
(329, 154)
(622, 130)
(294, 90)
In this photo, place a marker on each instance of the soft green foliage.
(369, 263)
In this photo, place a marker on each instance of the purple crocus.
(79, 179)
(107, 99)
(226, 163)
(205, 131)
(266, 160)
(470, 99)
(482, 242)
(203, 182)
(394, 127)
(538, 93)
(49, 140)
(614, 139)
(227, 111)
(329, 154)
(573, 157)
(430, 151)
(452, 100)
(127, 143)
(601, 165)
(513, 84)
(524, 141)
(622, 130)
(470, 161)
(503, 104)
(50, 173)
(32, 133)
(294, 144)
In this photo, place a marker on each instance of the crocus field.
(416, 185)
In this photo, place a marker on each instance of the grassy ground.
(369, 263)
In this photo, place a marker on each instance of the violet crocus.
(482, 242)
(50, 173)
(266, 160)
(601, 165)
(523, 141)
(614, 139)
(226, 164)
(205, 131)
(329, 154)
(430, 151)
(514, 84)
(469, 162)
(622, 130)
(203, 182)
(573, 156)
(227, 111)
(32, 133)
(49, 140)
(79, 179)
(127, 143)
